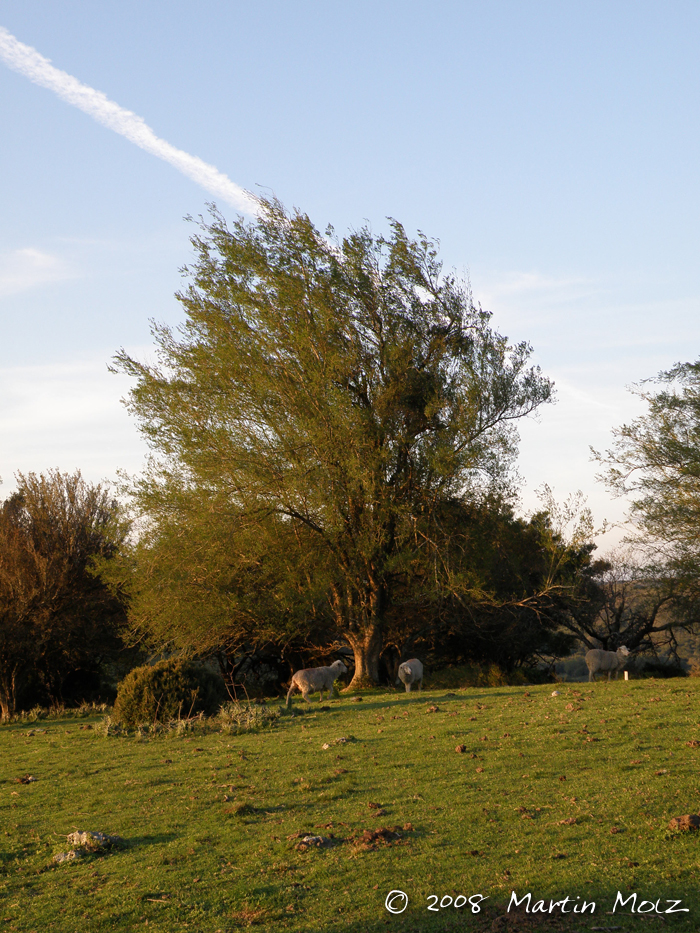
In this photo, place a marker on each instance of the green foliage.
(661, 667)
(656, 461)
(321, 401)
(59, 623)
(171, 689)
(246, 717)
(457, 677)
(506, 593)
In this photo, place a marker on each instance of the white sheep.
(598, 660)
(411, 672)
(316, 678)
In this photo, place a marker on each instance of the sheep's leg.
(291, 691)
(320, 694)
(420, 684)
(408, 688)
(306, 697)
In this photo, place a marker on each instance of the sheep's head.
(339, 667)
(623, 650)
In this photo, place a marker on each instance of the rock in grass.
(685, 823)
(86, 843)
(313, 842)
(461, 749)
(93, 841)
(69, 856)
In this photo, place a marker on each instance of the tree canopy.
(655, 461)
(57, 618)
(321, 403)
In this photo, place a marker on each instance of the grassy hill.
(560, 796)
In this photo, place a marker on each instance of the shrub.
(488, 675)
(168, 690)
(661, 668)
(247, 717)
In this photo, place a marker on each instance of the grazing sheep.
(411, 672)
(598, 660)
(316, 678)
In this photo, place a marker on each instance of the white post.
(627, 675)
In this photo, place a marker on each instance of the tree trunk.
(366, 646)
(8, 684)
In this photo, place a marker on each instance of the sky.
(551, 147)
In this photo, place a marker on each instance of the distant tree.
(655, 461)
(319, 403)
(632, 605)
(57, 619)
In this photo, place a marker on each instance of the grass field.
(565, 796)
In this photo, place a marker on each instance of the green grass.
(559, 796)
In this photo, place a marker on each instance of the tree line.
(333, 436)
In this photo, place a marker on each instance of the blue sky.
(551, 147)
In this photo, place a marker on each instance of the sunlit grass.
(560, 796)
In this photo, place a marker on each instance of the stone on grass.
(685, 823)
(317, 842)
(93, 841)
(306, 841)
(86, 843)
(70, 856)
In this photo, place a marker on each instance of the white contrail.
(28, 62)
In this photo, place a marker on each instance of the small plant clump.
(246, 717)
(169, 690)
(38, 713)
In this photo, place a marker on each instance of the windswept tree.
(655, 461)
(320, 402)
(57, 618)
(634, 605)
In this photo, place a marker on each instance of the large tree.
(655, 462)
(320, 402)
(57, 618)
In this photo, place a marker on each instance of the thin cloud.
(23, 269)
(30, 63)
(525, 283)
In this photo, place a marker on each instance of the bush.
(247, 717)
(661, 668)
(168, 690)
(474, 675)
